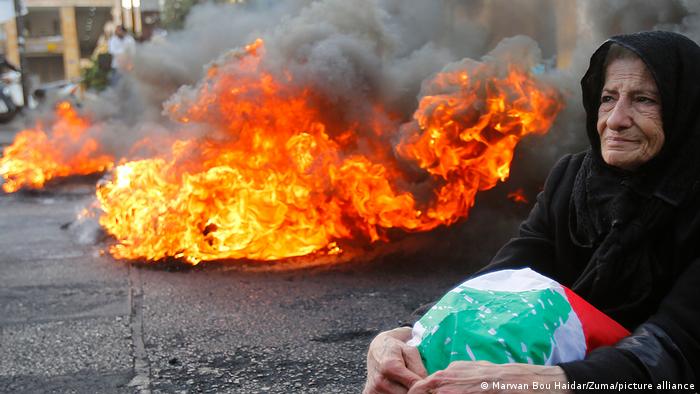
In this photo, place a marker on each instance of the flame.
(518, 196)
(470, 149)
(276, 178)
(37, 156)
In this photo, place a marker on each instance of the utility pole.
(20, 44)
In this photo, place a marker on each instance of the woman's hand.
(462, 377)
(392, 366)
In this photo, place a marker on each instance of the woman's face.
(629, 116)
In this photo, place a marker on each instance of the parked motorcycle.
(11, 99)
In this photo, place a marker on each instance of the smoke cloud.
(378, 51)
(359, 54)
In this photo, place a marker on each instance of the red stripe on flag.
(598, 328)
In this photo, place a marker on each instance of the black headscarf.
(621, 214)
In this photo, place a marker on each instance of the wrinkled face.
(629, 116)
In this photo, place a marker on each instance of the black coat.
(663, 325)
(629, 242)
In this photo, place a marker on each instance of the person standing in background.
(121, 46)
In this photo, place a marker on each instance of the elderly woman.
(619, 224)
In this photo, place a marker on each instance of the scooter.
(11, 99)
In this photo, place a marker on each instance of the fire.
(467, 149)
(518, 196)
(37, 156)
(277, 177)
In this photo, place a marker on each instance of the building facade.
(60, 33)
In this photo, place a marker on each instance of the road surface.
(73, 319)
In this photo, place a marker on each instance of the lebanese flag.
(512, 316)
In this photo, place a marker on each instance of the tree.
(175, 12)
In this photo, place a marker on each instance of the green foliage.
(95, 77)
(175, 12)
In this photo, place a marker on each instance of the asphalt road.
(72, 319)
